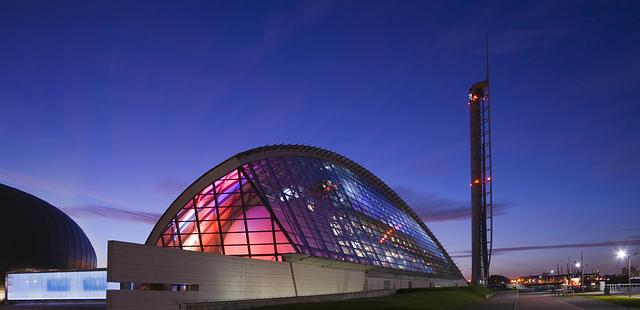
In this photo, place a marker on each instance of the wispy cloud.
(436, 209)
(461, 254)
(29, 182)
(113, 213)
(170, 186)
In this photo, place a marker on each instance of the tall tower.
(481, 180)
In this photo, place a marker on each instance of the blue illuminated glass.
(58, 285)
(94, 284)
(329, 211)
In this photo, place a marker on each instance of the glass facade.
(299, 204)
(228, 217)
(65, 285)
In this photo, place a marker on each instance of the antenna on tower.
(486, 53)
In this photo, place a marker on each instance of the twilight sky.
(111, 108)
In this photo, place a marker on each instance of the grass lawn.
(421, 298)
(624, 301)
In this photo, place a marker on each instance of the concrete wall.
(226, 278)
(316, 280)
(218, 277)
(376, 281)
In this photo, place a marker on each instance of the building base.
(163, 278)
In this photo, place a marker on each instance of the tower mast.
(481, 177)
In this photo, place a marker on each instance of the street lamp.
(578, 264)
(621, 255)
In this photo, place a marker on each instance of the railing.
(624, 288)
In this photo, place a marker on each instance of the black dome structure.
(36, 235)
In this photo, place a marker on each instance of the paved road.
(499, 301)
(539, 300)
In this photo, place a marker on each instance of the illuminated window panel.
(230, 226)
(205, 201)
(207, 215)
(236, 250)
(211, 239)
(227, 217)
(64, 285)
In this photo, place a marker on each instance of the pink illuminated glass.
(227, 217)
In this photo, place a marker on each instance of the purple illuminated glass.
(227, 217)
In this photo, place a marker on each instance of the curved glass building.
(282, 201)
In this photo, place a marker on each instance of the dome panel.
(37, 235)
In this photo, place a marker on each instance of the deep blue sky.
(117, 106)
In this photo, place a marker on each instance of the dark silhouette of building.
(634, 272)
(35, 235)
(498, 279)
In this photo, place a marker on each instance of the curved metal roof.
(37, 235)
